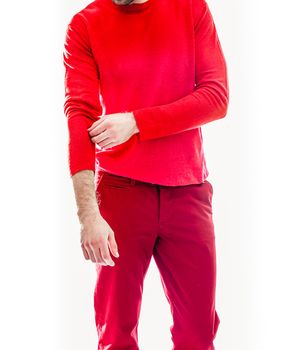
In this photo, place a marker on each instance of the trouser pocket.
(109, 180)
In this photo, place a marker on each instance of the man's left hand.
(113, 129)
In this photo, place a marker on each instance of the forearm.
(81, 150)
(84, 188)
(209, 99)
(192, 111)
(82, 98)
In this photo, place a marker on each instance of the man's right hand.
(97, 237)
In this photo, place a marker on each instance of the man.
(141, 79)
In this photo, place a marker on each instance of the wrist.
(135, 128)
(88, 214)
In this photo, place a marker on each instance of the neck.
(128, 2)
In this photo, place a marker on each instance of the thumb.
(113, 244)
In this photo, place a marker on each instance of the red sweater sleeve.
(208, 101)
(82, 102)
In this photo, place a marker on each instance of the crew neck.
(134, 7)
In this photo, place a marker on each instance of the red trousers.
(174, 225)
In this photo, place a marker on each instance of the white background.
(257, 158)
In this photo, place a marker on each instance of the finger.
(105, 263)
(113, 244)
(85, 253)
(95, 126)
(98, 257)
(97, 122)
(105, 144)
(100, 137)
(97, 130)
(105, 253)
(91, 253)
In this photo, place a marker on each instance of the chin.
(122, 2)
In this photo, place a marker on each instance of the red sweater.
(161, 60)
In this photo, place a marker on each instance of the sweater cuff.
(148, 127)
(81, 150)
